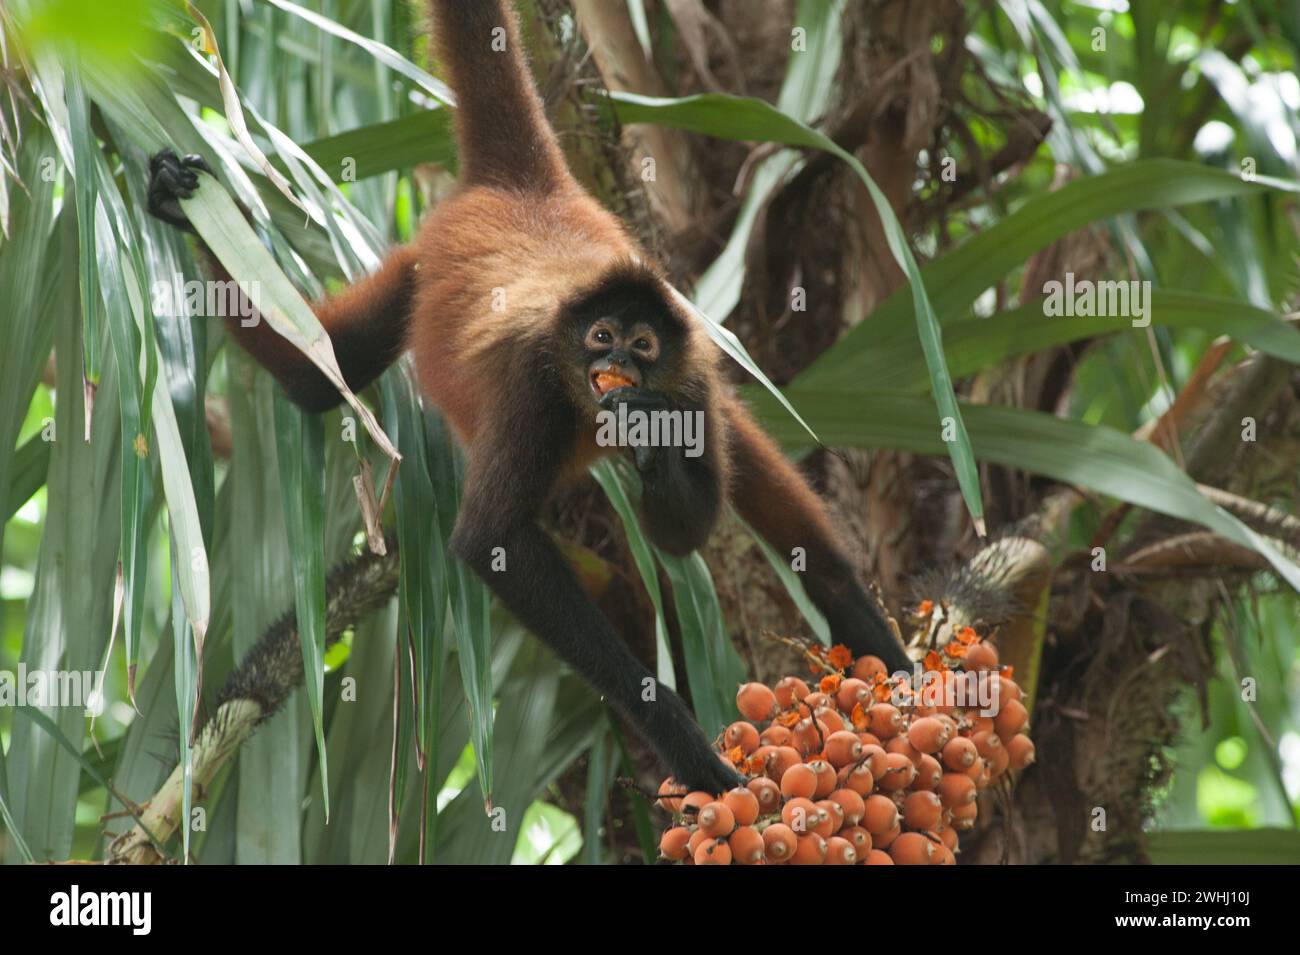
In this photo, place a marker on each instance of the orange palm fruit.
(830, 817)
(825, 778)
(981, 656)
(713, 852)
(956, 789)
(839, 851)
(879, 814)
(899, 773)
(756, 702)
(782, 760)
(789, 689)
(814, 701)
(831, 717)
(747, 846)
(671, 793)
(801, 815)
(857, 778)
(809, 736)
(928, 776)
(922, 810)
(851, 804)
(715, 819)
(693, 802)
(1020, 748)
(767, 792)
(865, 668)
(1011, 719)
(912, 848)
(743, 805)
(673, 843)
(875, 755)
(1008, 690)
(987, 743)
(860, 838)
(811, 850)
(780, 842)
(885, 720)
(886, 839)
(799, 780)
(958, 753)
(963, 816)
(742, 734)
(900, 744)
(928, 734)
(852, 692)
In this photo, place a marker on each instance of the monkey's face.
(623, 338)
(620, 354)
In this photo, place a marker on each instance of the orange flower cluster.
(861, 769)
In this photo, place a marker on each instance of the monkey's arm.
(366, 321)
(681, 493)
(513, 463)
(777, 502)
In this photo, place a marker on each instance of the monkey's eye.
(641, 345)
(602, 337)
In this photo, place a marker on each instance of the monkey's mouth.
(605, 380)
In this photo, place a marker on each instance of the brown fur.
(487, 298)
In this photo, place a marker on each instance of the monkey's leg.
(772, 496)
(512, 467)
(366, 322)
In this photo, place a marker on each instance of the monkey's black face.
(625, 344)
(621, 355)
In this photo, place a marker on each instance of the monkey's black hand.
(172, 178)
(637, 399)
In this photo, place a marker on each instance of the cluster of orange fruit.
(860, 768)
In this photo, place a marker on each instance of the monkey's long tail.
(502, 134)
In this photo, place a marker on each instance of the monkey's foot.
(171, 179)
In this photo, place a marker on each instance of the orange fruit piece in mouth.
(607, 381)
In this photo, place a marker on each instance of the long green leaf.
(26, 473)
(422, 588)
(1091, 456)
(974, 344)
(712, 665)
(301, 447)
(614, 483)
(271, 783)
(68, 613)
(26, 327)
(959, 277)
(378, 148)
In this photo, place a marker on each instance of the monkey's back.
(497, 266)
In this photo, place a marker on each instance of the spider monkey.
(529, 309)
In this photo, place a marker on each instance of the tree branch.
(254, 693)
